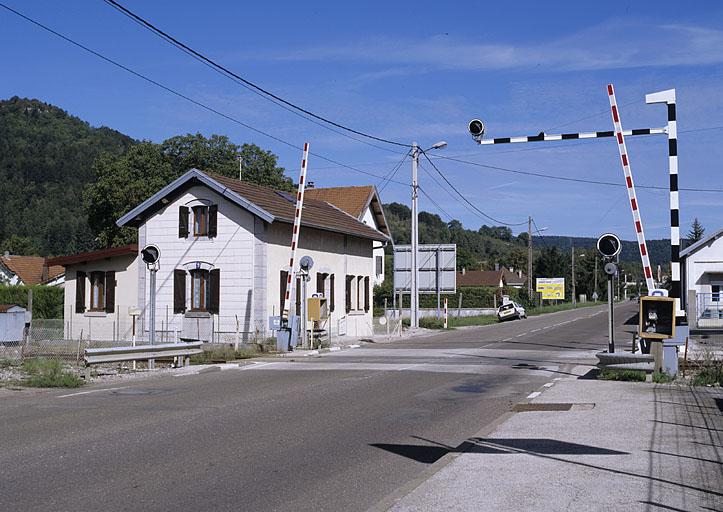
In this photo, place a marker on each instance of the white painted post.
(445, 312)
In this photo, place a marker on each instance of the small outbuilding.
(702, 281)
(12, 323)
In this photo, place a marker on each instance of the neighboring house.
(362, 203)
(29, 270)
(225, 248)
(491, 278)
(702, 273)
(514, 278)
(100, 293)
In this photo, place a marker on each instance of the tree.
(124, 181)
(21, 246)
(696, 231)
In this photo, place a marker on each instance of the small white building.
(100, 293)
(225, 252)
(363, 203)
(702, 274)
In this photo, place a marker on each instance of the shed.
(12, 323)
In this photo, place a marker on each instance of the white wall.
(332, 253)
(97, 325)
(370, 220)
(231, 251)
(703, 263)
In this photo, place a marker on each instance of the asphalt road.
(336, 432)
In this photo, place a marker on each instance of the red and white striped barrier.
(634, 206)
(295, 234)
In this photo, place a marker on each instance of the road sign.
(551, 288)
(436, 261)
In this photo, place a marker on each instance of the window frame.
(201, 212)
(97, 281)
(204, 292)
(379, 270)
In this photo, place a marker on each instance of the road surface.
(337, 432)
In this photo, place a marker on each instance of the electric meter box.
(657, 318)
(316, 309)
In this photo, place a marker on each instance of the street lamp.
(414, 321)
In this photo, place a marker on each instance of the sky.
(411, 71)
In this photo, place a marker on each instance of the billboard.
(551, 288)
(433, 260)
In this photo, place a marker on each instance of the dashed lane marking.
(91, 391)
(534, 395)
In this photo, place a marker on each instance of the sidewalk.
(621, 446)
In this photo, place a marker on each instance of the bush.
(431, 323)
(662, 378)
(49, 373)
(223, 353)
(709, 376)
(626, 375)
(47, 300)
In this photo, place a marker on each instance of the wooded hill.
(46, 159)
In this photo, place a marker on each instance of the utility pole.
(529, 258)
(574, 294)
(595, 295)
(414, 321)
(240, 167)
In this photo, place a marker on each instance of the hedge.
(47, 300)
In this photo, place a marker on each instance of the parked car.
(510, 311)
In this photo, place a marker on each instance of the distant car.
(510, 311)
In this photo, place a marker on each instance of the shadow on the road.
(590, 375)
(490, 446)
(661, 506)
(684, 456)
(709, 429)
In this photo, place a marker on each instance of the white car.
(510, 311)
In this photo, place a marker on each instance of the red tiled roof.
(5, 307)
(316, 213)
(31, 270)
(479, 278)
(353, 200)
(102, 254)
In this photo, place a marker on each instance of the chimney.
(512, 269)
(6, 254)
(497, 267)
(464, 271)
(309, 184)
(519, 274)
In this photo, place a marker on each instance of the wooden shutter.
(215, 291)
(331, 293)
(366, 293)
(183, 222)
(110, 291)
(349, 281)
(282, 289)
(320, 281)
(212, 221)
(80, 292)
(179, 291)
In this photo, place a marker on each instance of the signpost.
(551, 288)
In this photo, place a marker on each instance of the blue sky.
(412, 71)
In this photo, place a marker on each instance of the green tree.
(124, 181)
(696, 231)
(21, 245)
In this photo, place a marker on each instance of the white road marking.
(89, 392)
(258, 365)
(549, 384)
(410, 366)
(534, 395)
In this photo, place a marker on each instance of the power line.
(188, 98)
(465, 199)
(178, 44)
(566, 178)
(390, 175)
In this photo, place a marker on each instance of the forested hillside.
(46, 158)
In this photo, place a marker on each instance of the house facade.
(702, 280)
(224, 248)
(363, 203)
(100, 294)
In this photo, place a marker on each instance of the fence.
(709, 310)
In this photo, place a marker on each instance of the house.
(514, 278)
(491, 278)
(362, 203)
(100, 293)
(224, 251)
(702, 281)
(29, 271)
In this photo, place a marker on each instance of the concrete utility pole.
(414, 321)
(574, 294)
(529, 258)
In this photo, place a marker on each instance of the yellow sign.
(551, 289)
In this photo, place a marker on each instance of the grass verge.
(709, 376)
(625, 375)
(49, 373)
(565, 306)
(225, 354)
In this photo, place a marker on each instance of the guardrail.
(141, 353)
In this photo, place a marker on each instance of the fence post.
(237, 331)
(445, 312)
(459, 306)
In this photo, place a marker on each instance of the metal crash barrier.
(141, 353)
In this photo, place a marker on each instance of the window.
(97, 291)
(200, 296)
(200, 220)
(357, 293)
(380, 265)
(715, 296)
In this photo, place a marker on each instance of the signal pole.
(414, 321)
(529, 258)
(574, 294)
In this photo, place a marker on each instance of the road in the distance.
(339, 432)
